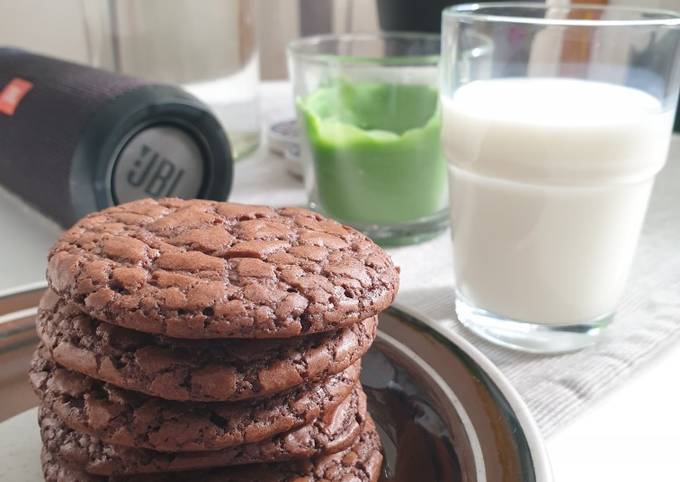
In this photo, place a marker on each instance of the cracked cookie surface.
(332, 432)
(132, 419)
(359, 463)
(197, 370)
(207, 269)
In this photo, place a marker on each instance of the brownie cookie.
(132, 419)
(332, 432)
(359, 463)
(207, 269)
(197, 370)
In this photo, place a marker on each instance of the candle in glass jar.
(376, 150)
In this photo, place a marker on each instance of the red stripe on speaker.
(12, 94)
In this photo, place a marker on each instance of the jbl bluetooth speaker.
(75, 139)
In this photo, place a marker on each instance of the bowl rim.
(537, 447)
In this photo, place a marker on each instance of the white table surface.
(631, 434)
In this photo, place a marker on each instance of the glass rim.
(297, 49)
(483, 12)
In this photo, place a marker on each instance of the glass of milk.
(553, 138)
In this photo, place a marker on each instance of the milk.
(549, 184)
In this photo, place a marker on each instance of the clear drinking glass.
(552, 150)
(208, 47)
(369, 123)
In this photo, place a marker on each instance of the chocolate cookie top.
(359, 463)
(206, 269)
(198, 370)
(135, 420)
(332, 432)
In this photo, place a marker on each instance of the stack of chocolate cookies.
(198, 340)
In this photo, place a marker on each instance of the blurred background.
(217, 50)
(65, 28)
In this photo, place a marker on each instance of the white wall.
(52, 27)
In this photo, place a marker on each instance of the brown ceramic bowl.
(444, 411)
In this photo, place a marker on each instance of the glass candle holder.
(370, 124)
(209, 48)
(553, 147)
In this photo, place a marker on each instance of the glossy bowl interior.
(444, 412)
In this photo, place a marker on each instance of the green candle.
(376, 151)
